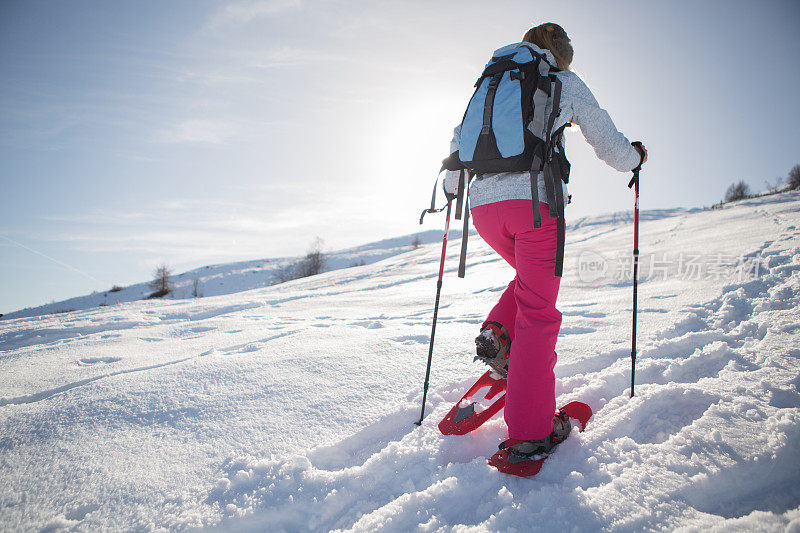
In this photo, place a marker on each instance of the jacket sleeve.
(450, 182)
(599, 130)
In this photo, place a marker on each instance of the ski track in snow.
(290, 408)
(46, 394)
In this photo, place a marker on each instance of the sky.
(196, 132)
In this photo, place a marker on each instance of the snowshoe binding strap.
(492, 347)
(527, 450)
(561, 427)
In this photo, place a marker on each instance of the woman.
(519, 335)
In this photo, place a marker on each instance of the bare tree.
(737, 191)
(794, 177)
(162, 282)
(196, 292)
(314, 261)
(284, 273)
(415, 243)
(772, 187)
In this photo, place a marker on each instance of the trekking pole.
(635, 184)
(435, 312)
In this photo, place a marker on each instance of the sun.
(413, 141)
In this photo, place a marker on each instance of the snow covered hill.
(229, 278)
(291, 407)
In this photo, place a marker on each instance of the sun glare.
(416, 139)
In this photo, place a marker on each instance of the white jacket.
(579, 106)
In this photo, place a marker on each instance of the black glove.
(639, 146)
(642, 153)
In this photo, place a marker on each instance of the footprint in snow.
(663, 413)
(412, 339)
(201, 329)
(580, 304)
(95, 360)
(369, 324)
(576, 330)
(783, 399)
(81, 511)
(356, 449)
(584, 314)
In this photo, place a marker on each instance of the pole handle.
(635, 178)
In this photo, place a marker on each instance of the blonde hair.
(551, 36)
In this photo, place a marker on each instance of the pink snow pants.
(527, 309)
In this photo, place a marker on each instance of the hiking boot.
(525, 450)
(492, 347)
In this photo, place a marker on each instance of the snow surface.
(229, 278)
(291, 407)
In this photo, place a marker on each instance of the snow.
(229, 278)
(291, 407)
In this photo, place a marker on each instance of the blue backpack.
(506, 128)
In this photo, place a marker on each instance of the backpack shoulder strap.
(462, 260)
(555, 111)
(552, 181)
(550, 186)
(540, 96)
(460, 194)
(542, 161)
